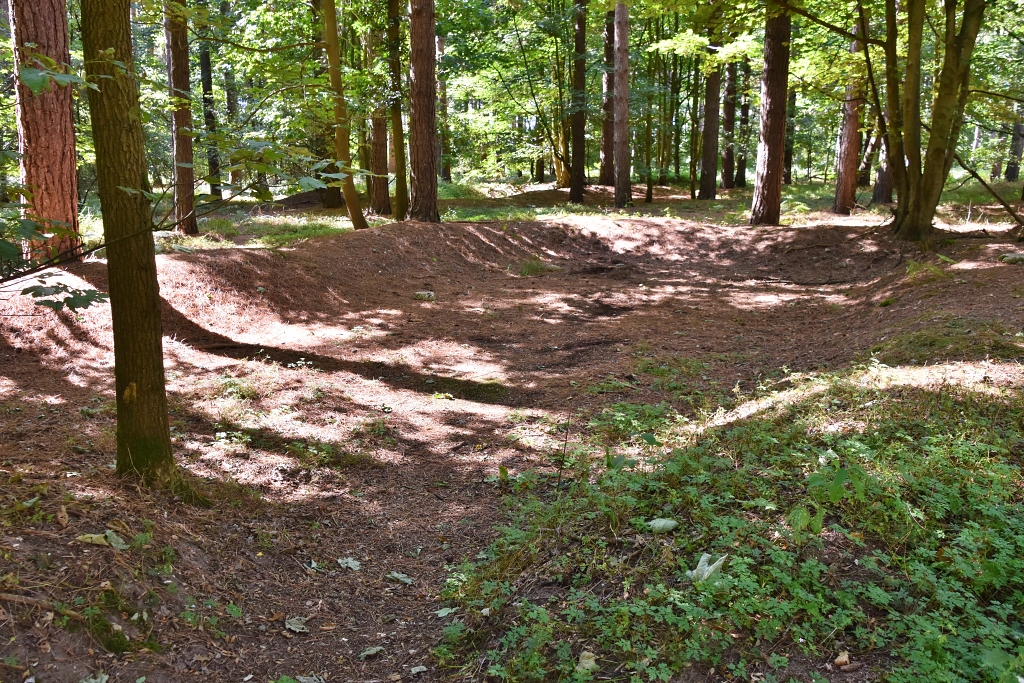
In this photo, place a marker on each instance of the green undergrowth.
(855, 511)
(954, 338)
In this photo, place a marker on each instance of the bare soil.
(329, 414)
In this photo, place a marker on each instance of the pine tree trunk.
(422, 113)
(143, 434)
(648, 163)
(729, 128)
(709, 141)
(1016, 150)
(741, 155)
(606, 176)
(176, 37)
(342, 124)
(236, 177)
(623, 164)
(445, 160)
(210, 119)
(767, 206)
(787, 173)
(848, 154)
(380, 199)
(46, 129)
(400, 205)
(695, 138)
(578, 172)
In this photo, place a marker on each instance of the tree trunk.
(579, 106)
(143, 434)
(695, 138)
(445, 160)
(342, 125)
(709, 137)
(422, 113)
(237, 176)
(380, 199)
(867, 161)
(767, 206)
(210, 119)
(176, 37)
(1016, 150)
(848, 154)
(623, 164)
(648, 162)
(539, 175)
(741, 154)
(606, 176)
(882, 192)
(46, 129)
(787, 173)
(400, 206)
(729, 128)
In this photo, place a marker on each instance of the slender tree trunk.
(400, 206)
(709, 142)
(606, 175)
(422, 113)
(623, 163)
(445, 132)
(741, 155)
(210, 119)
(236, 176)
(729, 128)
(46, 129)
(578, 171)
(695, 137)
(176, 37)
(848, 154)
(867, 161)
(649, 128)
(540, 170)
(1016, 150)
(342, 124)
(767, 206)
(787, 172)
(143, 434)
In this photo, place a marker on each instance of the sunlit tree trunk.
(236, 176)
(729, 128)
(579, 106)
(176, 37)
(342, 125)
(422, 113)
(445, 133)
(623, 163)
(46, 131)
(709, 143)
(848, 154)
(867, 161)
(209, 118)
(143, 434)
(400, 206)
(767, 206)
(606, 175)
(787, 164)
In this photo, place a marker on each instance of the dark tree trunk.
(606, 176)
(176, 37)
(741, 154)
(578, 170)
(539, 175)
(143, 434)
(210, 119)
(422, 113)
(709, 137)
(623, 164)
(767, 206)
(342, 124)
(787, 173)
(380, 200)
(848, 157)
(648, 162)
(46, 129)
(445, 160)
(882, 192)
(400, 207)
(729, 128)
(1016, 150)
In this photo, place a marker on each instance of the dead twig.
(44, 604)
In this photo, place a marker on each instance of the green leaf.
(662, 526)
(446, 611)
(36, 80)
(651, 439)
(349, 563)
(309, 183)
(297, 624)
(399, 577)
(115, 541)
(370, 652)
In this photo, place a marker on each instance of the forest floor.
(354, 440)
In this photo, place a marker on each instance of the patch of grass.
(457, 190)
(955, 339)
(534, 266)
(471, 214)
(490, 391)
(918, 272)
(868, 516)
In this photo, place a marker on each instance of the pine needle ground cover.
(866, 521)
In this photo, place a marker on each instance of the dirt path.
(331, 415)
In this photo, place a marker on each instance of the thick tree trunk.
(579, 107)
(623, 163)
(539, 175)
(210, 119)
(767, 206)
(445, 160)
(46, 129)
(400, 206)
(787, 169)
(882, 192)
(176, 37)
(606, 176)
(143, 434)
(741, 155)
(342, 124)
(729, 128)
(422, 113)
(709, 136)
(848, 154)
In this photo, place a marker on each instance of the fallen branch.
(44, 604)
